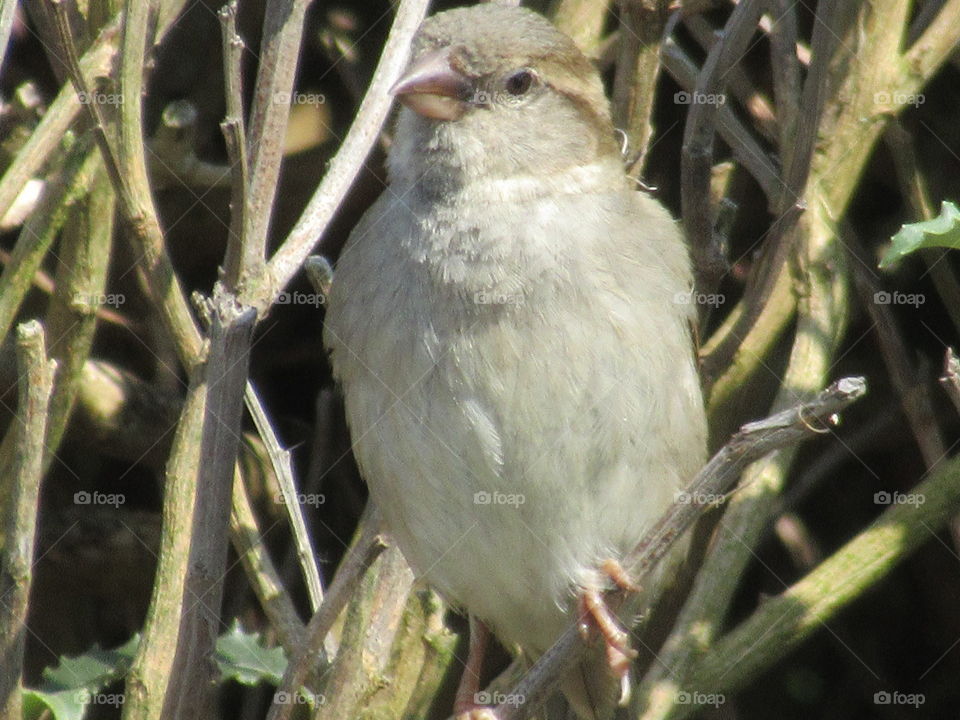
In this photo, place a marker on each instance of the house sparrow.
(509, 326)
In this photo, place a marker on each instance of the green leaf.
(63, 705)
(243, 657)
(940, 232)
(67, 690)
(94, 669)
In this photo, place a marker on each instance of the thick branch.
(20, 484)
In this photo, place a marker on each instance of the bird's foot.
(593, 607)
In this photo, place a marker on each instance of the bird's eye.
(519, 82)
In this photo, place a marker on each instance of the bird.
(510, 326)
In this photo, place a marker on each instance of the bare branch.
(20, 484)
(225, 375)
(911, 390)
(638, 68)
(698, 137)
(796, 158)
(343, 168)
(279, 50)
(236, 261)
(286, 489)
(745, 147)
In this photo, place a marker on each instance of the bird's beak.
(432, 87)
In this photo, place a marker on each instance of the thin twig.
(279, 50)
(797, 154)
(937, 43)
(68, 49)
(155, 268)
(132, 185)
(745, 147)
(785, 69)
(286, 491)
(754, 440)
(44, 283)
(7, 15)
(41, 228)
(697, 158)
(234, 134)
(908, 385)
(83, 257)
(739, 83)
(353, 151)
